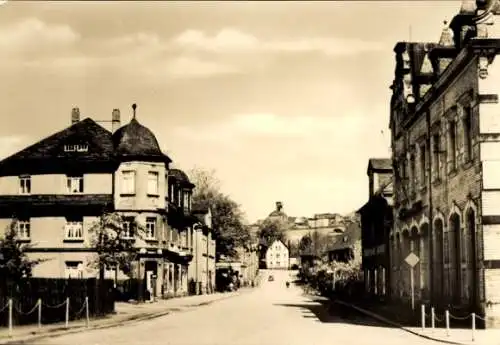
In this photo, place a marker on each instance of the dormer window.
(76, 148)
(75, 184)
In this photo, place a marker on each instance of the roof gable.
(86, 133)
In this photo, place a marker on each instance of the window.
(383, 281)
(413, 171)
(452, 155)
(186, 200)
(467, 121)
(436, 156)
(277, 263)
(179, 197)
(75, 184)
(128, 182)
(23, 229)
(74, 229)
(423, 165)
(128, 227)
(171, 193)
(150, 228)
(153, 183)
(76, 148)
(74, 269)
(25, 185)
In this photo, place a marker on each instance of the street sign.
(412, 259)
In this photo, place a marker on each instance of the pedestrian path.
(458, 336)
(124, 313)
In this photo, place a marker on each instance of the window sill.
(128, 238)
(150, 239)
(72, 240)
(153, 195)
(127, 194)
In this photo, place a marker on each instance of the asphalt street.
(271, 314)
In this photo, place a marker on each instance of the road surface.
(270, 314)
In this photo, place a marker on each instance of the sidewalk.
(126, 313)
(458, 336)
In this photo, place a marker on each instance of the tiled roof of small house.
(180, 176)
(380, 164)
(136, 141)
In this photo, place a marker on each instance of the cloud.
(273, 126)
(230, 40)
(32, 34)
(186, 66)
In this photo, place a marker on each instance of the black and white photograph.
(249, 172)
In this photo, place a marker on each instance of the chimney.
(279, 205)
(115, 120)
(75, 116)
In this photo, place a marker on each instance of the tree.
(314, 243)
(14, 262)
(227, 217)
(271, 230)
(114, 245)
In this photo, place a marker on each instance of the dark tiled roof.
(180, 176)
(84, 132)
(132, 141)
(380, 164)
(137, 141)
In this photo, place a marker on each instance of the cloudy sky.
(286, 101)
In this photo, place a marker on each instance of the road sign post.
(412, 260)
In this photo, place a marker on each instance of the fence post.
(473, 325)
(67, 311)
(87, 311)
(447, 317)
(39, 313)
(10, 317)
(433, 319)
(423, 316)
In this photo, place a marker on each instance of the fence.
(69, 313)
(51, 298)
(446, 319)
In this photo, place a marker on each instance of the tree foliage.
(314, 243)
(14, 262)
(227, 217)
(113, 247)
(271, 230)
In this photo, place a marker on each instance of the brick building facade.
(446, 153)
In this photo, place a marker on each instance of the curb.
(132, 319)
(395, 324)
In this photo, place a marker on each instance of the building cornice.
(482, 47)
